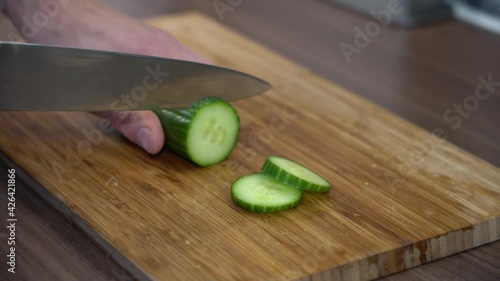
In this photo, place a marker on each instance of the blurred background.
(414, 13)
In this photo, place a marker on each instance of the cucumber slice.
(205, 133)
(294, 174)
(262, 194)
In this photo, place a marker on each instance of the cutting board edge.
(414, 254)
(72, 217)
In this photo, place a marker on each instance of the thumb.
(140, 127)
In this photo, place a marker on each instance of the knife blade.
(50, 78)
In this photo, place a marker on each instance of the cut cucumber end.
(259, 193)
(205, 133)
(213, 133)
(294, 174)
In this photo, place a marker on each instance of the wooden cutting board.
(401, 196)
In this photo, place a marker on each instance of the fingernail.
(144, 138)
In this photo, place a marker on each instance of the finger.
(140, 127)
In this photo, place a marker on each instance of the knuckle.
(118, 118)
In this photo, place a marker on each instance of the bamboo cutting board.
(401, 197)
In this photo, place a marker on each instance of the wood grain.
(175, 221)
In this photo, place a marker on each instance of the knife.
(41, 77)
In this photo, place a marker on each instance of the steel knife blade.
(49, 78)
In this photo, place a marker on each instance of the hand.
(90, 24)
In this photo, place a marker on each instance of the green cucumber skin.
(260, 209)
(176, 124)
(272, 170)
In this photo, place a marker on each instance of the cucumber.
(259, 193)
(205, 133)
(294, 174)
